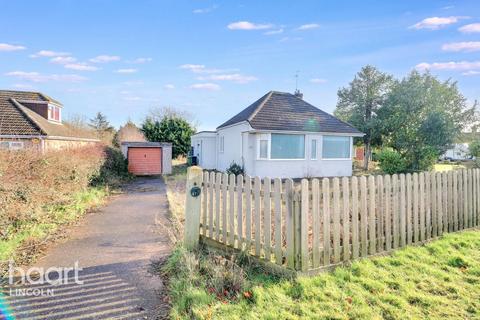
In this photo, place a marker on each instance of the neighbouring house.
(459, 151)
(279, 135)
(34, 120)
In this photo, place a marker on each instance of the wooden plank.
(326, 220)
(204, 214)
(476, 196)
(346, 219)
(439, 203)
(363, 216)
(218, 183)
(428, 207)
(408, 209)
(193, 208)
(231, 208)
(258, 215)
(210, 204)
(248, 212)
(455, 200)
(267, 219)
(336, 220)
(422, 214)
(289, 226)
(388, 214)
(372, 197)
(433, 178)
(355, 242)
(380, 214)
(305, 206)
(460, 199)
(403, 220)
(470, 198)
(224, 207)
(277, 191)
(297, 211)
(465, 199)
(395, 211)
(316, 223)
(240, 212)
(415, 187)
(449, 196)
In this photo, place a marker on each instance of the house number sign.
(195, 191)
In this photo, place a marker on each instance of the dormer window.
(54, 113)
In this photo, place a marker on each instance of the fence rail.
(323, 222)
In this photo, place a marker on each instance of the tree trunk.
(366, 155)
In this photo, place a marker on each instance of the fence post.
(193, 207)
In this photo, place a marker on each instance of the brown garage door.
(145, 161)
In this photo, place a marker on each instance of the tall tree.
(102, 127)
(170, 127)
(129, 132)
(422, 117)
(358, 104)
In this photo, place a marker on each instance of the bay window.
(336, 147)
(287, 146)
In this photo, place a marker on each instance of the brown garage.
(148, 158)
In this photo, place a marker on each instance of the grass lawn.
(439, 280)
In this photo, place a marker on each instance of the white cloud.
(200, 68)
(205, 86)
(10, 47)
(37, 77)
(129, 98)
(462, 46)
(63, 60)
(309, 26)
(246, 25)
(318, 80)
(49, 54)
(81, 66)
(104, 59)
(460, 65)
(141, 60)
(234, 77)
(272, 32)
(471, 73)
(130, 70)
(169, 86)
(22, 86)
(470, 28)
(205, 10)
(435, 23)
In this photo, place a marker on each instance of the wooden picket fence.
(320, 223)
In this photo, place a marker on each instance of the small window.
(222, 144)
(287, 146)
(336, 147)
(12, 145)
(263, 152)
(313, 150)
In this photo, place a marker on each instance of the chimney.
(298, 94)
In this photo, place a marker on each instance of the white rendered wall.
(204, 149)
(233, 146)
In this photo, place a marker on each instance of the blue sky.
(213, 58)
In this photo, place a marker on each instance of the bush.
(390, 161)
(235, 169)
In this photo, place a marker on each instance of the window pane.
(288, 146)
(313, 150)
(335, 147)
(263, 149)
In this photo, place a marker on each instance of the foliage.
(358, 104)
(170, 128)
(102, 127)
(422, 117)
(235, 169)
(439, 280)
(474, 148)
(128, 132)
(390, 161)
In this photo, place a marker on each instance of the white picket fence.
(320, 223)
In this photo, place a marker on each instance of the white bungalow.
(279, 135)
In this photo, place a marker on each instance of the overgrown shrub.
(235, 169)
(391, 161)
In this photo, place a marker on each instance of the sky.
(214, 58)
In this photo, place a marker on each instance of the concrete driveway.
(115, 248)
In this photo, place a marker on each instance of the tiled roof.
(16, 119)
(287, 112)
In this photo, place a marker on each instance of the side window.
(313, 150)
(263, 149)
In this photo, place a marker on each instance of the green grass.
(440, 280)
(49, 222)
(452, 166)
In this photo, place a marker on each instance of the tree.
(171, 127)
(422, 117)
(129, 132)
(102, 127)
(358, 104)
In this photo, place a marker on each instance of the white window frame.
(290, 134)
(52, 108)
(336, 159)
(259, 143)
(20, 145)
(221, 144)
(314, 156)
